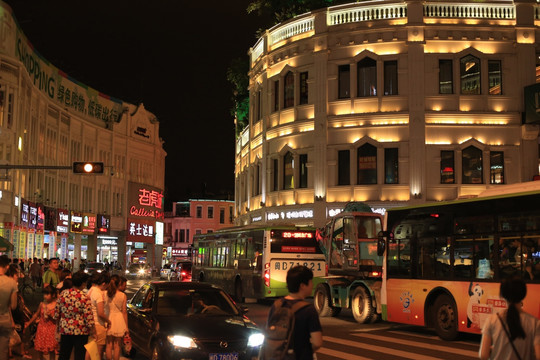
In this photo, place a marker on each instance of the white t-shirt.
(501, 348)
(96, 296)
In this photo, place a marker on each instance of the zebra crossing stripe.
(447, 349)
(433, 337)
(381, 349)
(340, 355)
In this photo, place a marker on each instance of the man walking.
(50, 277)
(35, 273)
(307, 331)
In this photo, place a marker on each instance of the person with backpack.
(293, 330)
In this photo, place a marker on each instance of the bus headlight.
(255, 340)
(182, 342)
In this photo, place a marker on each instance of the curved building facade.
(387, 102)
(48, 120)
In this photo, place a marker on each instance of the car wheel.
(445, 317)
(321, 300)
(362, 307)
(155, 352)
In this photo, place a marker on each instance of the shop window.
(391, 166)
(447, 167)
(446, 77)
(288, 90)
(367, 77)
(344, 167)
(496, 167)
(390, 78)
(288, 171)
(303, 183)
(344, 81)
(367, 165)
(470, 75)
(495, 77)
(472, 166)
(303, 88)
(276, 95)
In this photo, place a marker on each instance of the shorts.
(101, 334)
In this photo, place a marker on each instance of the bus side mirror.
(381, 242)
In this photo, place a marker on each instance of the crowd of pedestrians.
(79, 314)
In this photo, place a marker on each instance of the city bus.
(253, 261)
(443, 262)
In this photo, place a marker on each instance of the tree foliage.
(237, 75)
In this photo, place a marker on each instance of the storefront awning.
(5, 245)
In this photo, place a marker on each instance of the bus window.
(368, 227)
(532, 262)
(399, 252)
(473, 257)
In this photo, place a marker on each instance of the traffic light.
(88, 167)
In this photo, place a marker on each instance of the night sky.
(171, 55)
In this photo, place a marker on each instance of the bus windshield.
(303, 242)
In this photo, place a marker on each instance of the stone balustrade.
(366, 13)
(469, 10)
(288, 30)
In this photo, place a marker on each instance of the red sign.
(298, 249)
(141, 230)
(145, 201)
(297, 235)
(89, 223)
(179, 252)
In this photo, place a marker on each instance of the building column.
(121, 250)
(77, 241)
(91, 252)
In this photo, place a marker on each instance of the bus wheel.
(238, 293)
(201, 277)
(445, 317)
(321, 300)
(362, 308)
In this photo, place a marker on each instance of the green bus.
(253, 261)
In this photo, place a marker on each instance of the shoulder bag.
(509, 338)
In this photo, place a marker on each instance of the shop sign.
(129, 243)
(159, 233)
(30, 240)
(109, 242)
(145, 201)
(52, 244)
(256, 218)
(76, 222)
(25, 213)
(40, 224)
(104, 224)
(50, 218)
(21, 252)
(89, 223)
(139, 245)
(62, 221)
(290, 215)
(141, 230)
(32, 215)
(179, 252)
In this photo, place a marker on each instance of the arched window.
(470, 75)
(367, 77)
(367, 164)
(472, 166)
(288, 90)
(288, 171)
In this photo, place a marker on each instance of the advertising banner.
(52, 244)
(30, 241)
(104, 224)
(50, 218)
(62, 221)
(32, 215)
(89, 223)
(22, 243)
(76, 222)
(40, 237)
(25, 213)
(63, 247)
(40, 223)
(140, 230)
(16, 234)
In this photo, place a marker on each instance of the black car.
(94, 267)
(186, 320)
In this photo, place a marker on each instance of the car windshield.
(207, 302)
(96, 265)
(185, 266)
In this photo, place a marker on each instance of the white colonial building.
(47, 120)
(388, 102)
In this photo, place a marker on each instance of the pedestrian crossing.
(392, 345)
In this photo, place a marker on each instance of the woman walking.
(511, 334)
(115, 308)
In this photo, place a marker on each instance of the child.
(45, 340)
(115, 308)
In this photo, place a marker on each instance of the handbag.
(509, 338)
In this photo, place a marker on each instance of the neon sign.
(297, 235)
(150, 198)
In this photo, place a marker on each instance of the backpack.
(278, 336)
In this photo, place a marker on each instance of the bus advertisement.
(443, 262)
(253, 262)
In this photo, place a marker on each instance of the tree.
(283, 10)
(237, 75)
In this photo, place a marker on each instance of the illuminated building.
(49, 119)
(387, 102)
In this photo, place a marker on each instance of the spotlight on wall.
(319, 198)
(263, 203)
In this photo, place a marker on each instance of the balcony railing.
(470, 11)
(257, 50)
(366, 13)
(291, 29)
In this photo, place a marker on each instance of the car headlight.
(127, 271)
(86, 271)
(182, 342)
(256, 339)
(141, 271)
(99, 271)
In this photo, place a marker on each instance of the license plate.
(228, 356)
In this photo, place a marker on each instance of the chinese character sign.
(145, 201)
(141, 230)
